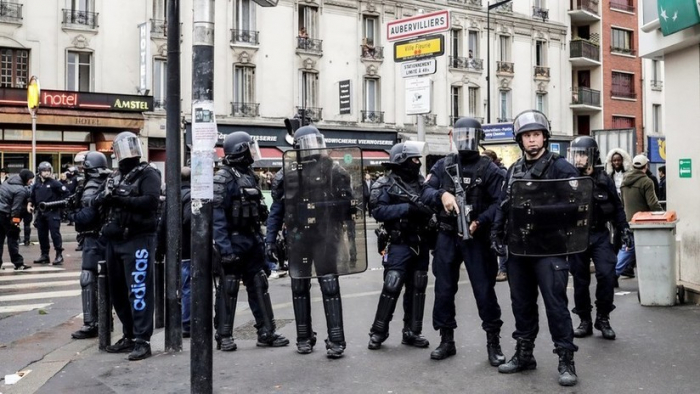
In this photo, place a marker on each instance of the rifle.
(460, 195)
(60, 204)
(398, 191)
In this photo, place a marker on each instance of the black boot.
(85, 332)
(376, 339)
(567, 369)
(522, 360)
(447, 345)
(413, 326)
(493, 347)
(265, 323)
(585, 329)
(379, 332)
(414, 339)
(59, 257)
(43, 259)
(602, 323)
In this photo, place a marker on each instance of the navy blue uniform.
(481, 180)
(549, 274)
(607, 207)
(48, 190)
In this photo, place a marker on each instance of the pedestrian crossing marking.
(37, 296)
(9, 270)
(38, 285)
(22, 308)
(29, 276)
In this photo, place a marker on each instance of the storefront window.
(15, 162)
(43, 135)
(76, 136)
(18, 135)
(51, 158)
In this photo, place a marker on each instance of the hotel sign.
(79, 100)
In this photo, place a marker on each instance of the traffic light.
(292, 124)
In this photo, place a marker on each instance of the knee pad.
(329, 285)
(260, 281)
(393, 281)
(87, 277)
(420, 280)
(301, 286)
(231, 284)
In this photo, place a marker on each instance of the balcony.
(159, 28)
(10, 12)
(245, 110)
(542, 73)
(371, 52)
(624, 94)
(466, 63)
(84, 19)
(623, 51)
(309, 45)
(159, 104)
(585, 100)
(505, 68)
(583, 12)
(583, 53)
(656, 85)
(372, 116)
(468, 3)
(505, 120)
(315, 114)
(540, 13)
(248, 37)
(429, 119)
(621, 5)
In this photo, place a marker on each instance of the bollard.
(104, 306)
(160, 294)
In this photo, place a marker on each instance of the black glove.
(627, 238)
(102, 198)
(497, 243)
(419, 209)
(229, 259)
(271, 252)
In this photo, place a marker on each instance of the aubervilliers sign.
(677, 15)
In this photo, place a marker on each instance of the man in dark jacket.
(48, 190)
(13, 194)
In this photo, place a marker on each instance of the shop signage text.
(418, 25)
(498, 131)
(418, 68)
(79, 100)
(420, 48)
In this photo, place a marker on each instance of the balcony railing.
(10, 12)
(309, 44)
(474, 3)
(315, 114)
(585, 96)
(247, 110)
(372, 116)
(505, 120)
(656, 85)
(622, 5)
(159, 104)
(541, 72)
(80, 18)
(430, 119)
(371, 52)
(505, 67)
(159, 27)
(585, 5)
(245, 36)
(623, 94)
(625, 51)
(466, 63)
(584, 48)
(540, 13)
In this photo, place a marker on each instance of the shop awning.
(44, 147)
(374, 158)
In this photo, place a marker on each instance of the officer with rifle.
(394, 200)
(48, 190)
(542, 216)
(607, 214)
(86, 217)
(464, 188)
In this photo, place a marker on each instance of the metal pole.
(173, 200)
(488, 63)
(33, 165)
(104, 307)
(202, 91)
(420, 119)
(159, 277)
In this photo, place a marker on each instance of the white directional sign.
(418, 68)
(418, 25)
(418, 95)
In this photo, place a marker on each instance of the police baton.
(104, 307)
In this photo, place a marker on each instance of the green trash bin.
(655, 250)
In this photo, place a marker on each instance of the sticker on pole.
(418, 95)
(204, 131)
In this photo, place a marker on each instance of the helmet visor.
(126, 148)
(254, 150)
(311, 144)
(581, 158)
(533, 120)
(466, 138)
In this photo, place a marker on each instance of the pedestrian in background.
(662, 186)
(617, 163)
(13, 194)
(47, 190)
(502, 275)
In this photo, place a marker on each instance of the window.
(372, 94)
(473, 101)
(160, 10)
(369, 24)
(623, 5)
(656, 117)
(474, 43)
(14, 67)
(622, 122)
(82, 5)
(540, 53)
(308, 21)
(541, 102)
(160, 82)
(78, 69)
(623, 85)
(504, 54)
(309, 90)
(243, 84)
(245, 15)
(504, 107)
(455, 42)
(455, 101)
(622, 41)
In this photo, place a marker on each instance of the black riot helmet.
(45, 166)
(467, 134)
(530, 120)
(80, 159)
(126, 145)
(240, 148)
(583, 153)
(95, 164)
(403, 151)
(309, 140)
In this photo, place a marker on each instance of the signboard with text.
(79, 100)
(421, 48)
(685, 168)
(418, 95)
(144, 57)
(418, 68)
(344, 97)
(498, 131)
(418, 25)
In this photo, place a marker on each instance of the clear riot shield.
(326, 234)
(549, 217)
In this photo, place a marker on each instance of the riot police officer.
(79, 181)
(129, 202)
(313, 196)
(87, 223)
(47, 190)
(239, 211)
(607, 209)
(394, 201)
(476, 181)
(526, 274)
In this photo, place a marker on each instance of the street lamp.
(33, 93)
(489, 7)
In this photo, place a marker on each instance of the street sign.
(685, 168)
(420, 48)
(418, 68)
(33, 93)
(418, 25)
(418, 95)
(344, 97)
